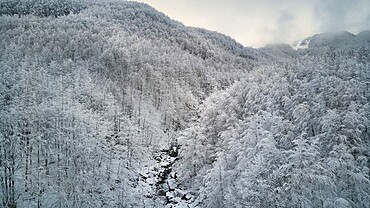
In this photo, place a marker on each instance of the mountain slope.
(335, 41)
(96, 98)
(90, 90)
(290, 134)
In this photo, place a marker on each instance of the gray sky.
(259, 22)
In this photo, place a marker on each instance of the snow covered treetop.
(40, 8)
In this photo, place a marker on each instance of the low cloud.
(338, 15)
(257, 23)
(286, 27)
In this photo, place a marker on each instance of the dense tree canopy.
(90, 91)
(293, 135)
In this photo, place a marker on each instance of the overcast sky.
(259, 22)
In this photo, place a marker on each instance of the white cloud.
(336, 15)
(259, 22)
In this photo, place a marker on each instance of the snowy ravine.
(163, 180)
(96, 98)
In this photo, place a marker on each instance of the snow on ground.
(159, 181)
(301, 44)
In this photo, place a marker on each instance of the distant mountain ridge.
(336, 40)
(319, 43)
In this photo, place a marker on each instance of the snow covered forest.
(113, 104)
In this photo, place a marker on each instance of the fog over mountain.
(262, 22)
(114, 104)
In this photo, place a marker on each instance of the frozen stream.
(163, 180)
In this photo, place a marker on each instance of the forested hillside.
(287, 135)
(113, 104)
